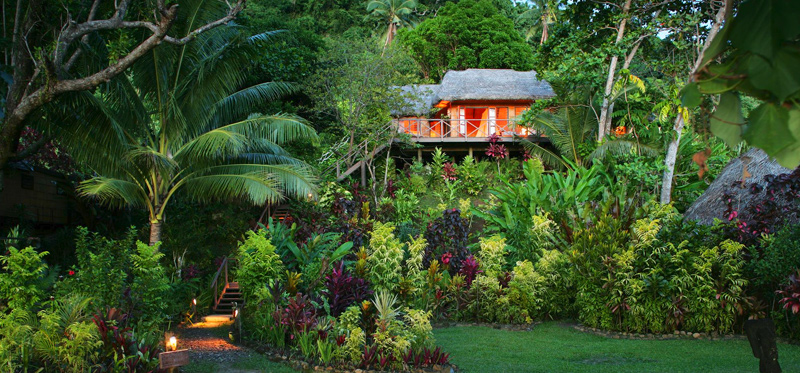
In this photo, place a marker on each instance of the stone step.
(217, 318)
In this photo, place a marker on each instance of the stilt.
(363, 174)
(470, 151)
(419, 155)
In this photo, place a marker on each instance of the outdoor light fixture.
(236, 313)
(173, 343)
(194, 302)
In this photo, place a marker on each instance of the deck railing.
(221, 281)
(460, 128)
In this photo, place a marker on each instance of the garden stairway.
(358, 155)
(227, 294)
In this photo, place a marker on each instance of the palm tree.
(397, 13)
(180, 121)
(543, 13)
(570, 130)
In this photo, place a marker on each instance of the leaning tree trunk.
(672, 148)
(390, 35)
(602, 128)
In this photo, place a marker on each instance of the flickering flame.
(194, 302)
(173, 344)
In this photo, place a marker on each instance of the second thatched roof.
(493, 84)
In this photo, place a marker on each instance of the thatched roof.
(710, 205)
(493, 84)
(419, 99)
(474, 84)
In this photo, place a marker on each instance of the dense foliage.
(467, 34)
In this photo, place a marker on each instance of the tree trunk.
(544, 31)
(672, 148)
(390, 35)
(625, 65)
(155, 232)
(602, 125)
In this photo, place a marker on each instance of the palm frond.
(257, 187)
(147, 158)
(622, 146)
(247, 100)
(547, 156)
(114, 192)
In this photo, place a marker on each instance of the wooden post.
(470, 151)
(419, 155)
(363, 173)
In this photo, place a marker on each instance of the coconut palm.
(181, 121)
(543, 13)
(396, 13)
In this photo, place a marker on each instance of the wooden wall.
(36, 195)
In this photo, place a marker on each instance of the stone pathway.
(210, 349)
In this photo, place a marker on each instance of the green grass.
(252, 364)
(551, 347)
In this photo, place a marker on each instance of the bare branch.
(74, 31)
(84, 39)
(232, 12)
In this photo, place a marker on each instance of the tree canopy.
(467, 34)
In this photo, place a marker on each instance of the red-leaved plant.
(343, 290)
(791, 293)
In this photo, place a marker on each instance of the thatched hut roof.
(711, 205)
(418, 99)
(494, 85)
(473, 85)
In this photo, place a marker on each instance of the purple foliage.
(299, 315)
(343, 290)
(426, 358)
(469, 269)
(773, 205)
(447, 234)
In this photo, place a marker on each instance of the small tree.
(181, 123)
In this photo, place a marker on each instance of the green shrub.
(563, 197)
(492, 255)
(354, 345)
(643, 284)
(150, 289)
(545, 290)
(473, 175)
(16, 339)
(418, 329)
(258, 263)
(385, 261)
(406, 206)
(778, 258)
(101, 261)
(22, 281)
(67, 339)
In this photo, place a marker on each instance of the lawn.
(253, 364)
(551, 347)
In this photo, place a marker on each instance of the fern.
(67, 340)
